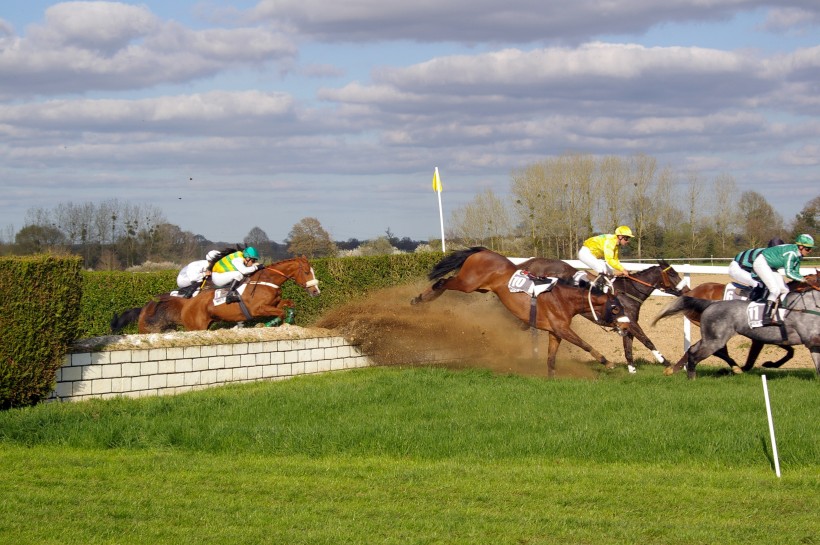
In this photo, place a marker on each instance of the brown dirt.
(476, 328)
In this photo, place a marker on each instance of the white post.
(687, 325)
(771, 427)
(437, 188)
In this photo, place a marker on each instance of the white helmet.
(213, 254)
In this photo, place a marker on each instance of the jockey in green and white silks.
(234, 267)
(741, 268)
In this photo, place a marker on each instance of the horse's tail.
(452, 262)
(683, 304)
(118, 322)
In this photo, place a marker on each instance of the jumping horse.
(722, 320)
(482, 270)
(632, 291)
(260, 296)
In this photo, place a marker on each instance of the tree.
(484, 221)
(760, 221)
(34, 239)
(308, 237)
(723, 218)
(808, 219)
(379, 246)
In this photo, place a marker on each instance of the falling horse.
(722, 320)
(715, 291)
(632, 290)
(260, 296)
(479, 269)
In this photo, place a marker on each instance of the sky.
(234, 114)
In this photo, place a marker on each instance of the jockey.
(601, 253)
(786, 257)
(235, 267)
(741, 270)
(192, 274)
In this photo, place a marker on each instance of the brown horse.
(260, 296)
(634, 289)
(479, 269)
(714, 291)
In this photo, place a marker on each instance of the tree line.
(553, 205)
(548, 210)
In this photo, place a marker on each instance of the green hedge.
(340, 279)
(39, 312)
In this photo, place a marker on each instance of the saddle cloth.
(523, 281)
(754, 313)
(735, 291)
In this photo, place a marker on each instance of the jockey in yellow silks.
(235, 266)
(601, 252)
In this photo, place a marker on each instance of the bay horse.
(632, 290)
(482, 270)
(714, 291)
(260, 293)
(722, 320)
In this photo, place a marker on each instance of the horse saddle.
(226, 295)
(186, 292)
(739, 292)
(526, 282)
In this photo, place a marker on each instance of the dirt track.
(478, 328)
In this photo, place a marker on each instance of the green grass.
(391, 455)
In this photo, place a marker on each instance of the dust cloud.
(457, 330)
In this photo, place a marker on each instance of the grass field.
(422, 456)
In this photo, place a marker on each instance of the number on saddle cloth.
(739, 292)
(526, 282)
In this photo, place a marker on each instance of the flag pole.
(437, 188)
(771, 427)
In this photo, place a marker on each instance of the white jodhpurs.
(774, 282)
(741, 275)
(598, 265)
(224, 278)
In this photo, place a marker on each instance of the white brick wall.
(163, 371)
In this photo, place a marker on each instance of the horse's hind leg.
(775, 364)
(434, 292)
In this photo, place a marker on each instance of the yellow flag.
(436, 181)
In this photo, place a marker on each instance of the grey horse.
(722, 320)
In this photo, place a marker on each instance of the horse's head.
(297, 269)
(670, 281)
(615, 314)
(306, 277)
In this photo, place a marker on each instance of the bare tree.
(723, 217)
(614, 182)
(483, 221)
(643, 172)
(692, 198)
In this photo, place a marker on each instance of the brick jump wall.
(163, 371)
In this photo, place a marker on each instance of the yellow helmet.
(624, 231)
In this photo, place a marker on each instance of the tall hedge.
(39, 312)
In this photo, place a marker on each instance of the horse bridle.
(307, 284)
(666, 287)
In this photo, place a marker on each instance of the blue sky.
(234, 114)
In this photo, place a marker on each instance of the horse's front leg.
(636, 330)
(628, 338)
(567, 334)
(555, 342)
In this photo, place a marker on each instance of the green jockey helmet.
(250, 252)
(804, 240)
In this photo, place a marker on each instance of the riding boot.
(233, 295)
(770, 315)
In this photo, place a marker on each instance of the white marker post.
(437, 187)
(771, 426)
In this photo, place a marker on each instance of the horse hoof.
(669, 371)
(609, 365)
(691, 375)
(737, 370)
(632, 369)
